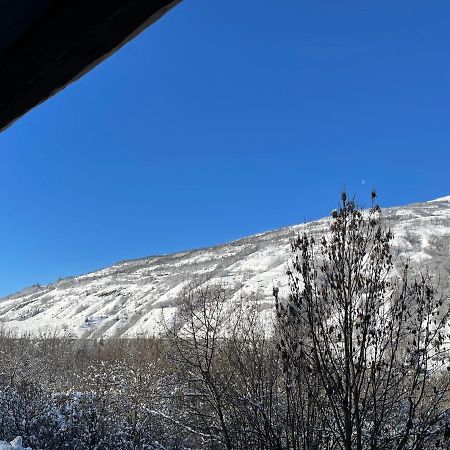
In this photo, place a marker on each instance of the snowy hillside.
(127, 299)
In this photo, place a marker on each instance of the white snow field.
(129, 298)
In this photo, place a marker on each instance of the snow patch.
(441, 199)
(16, 444)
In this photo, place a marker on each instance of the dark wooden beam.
(47, 44)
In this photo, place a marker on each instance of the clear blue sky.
(224, 119)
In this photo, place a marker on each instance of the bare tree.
(365, 344)
(257, 396)
(200, 357)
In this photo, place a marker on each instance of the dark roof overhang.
(47, 44)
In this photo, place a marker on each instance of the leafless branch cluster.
(365, 349)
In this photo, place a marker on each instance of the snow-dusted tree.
(365, 347)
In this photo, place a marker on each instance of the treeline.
(138, 393)
(356, 357)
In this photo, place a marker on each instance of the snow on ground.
(129, 298)
(441, 199)
(16, 444)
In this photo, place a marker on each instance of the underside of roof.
(46, 44)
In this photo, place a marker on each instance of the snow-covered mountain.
(129, 298)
